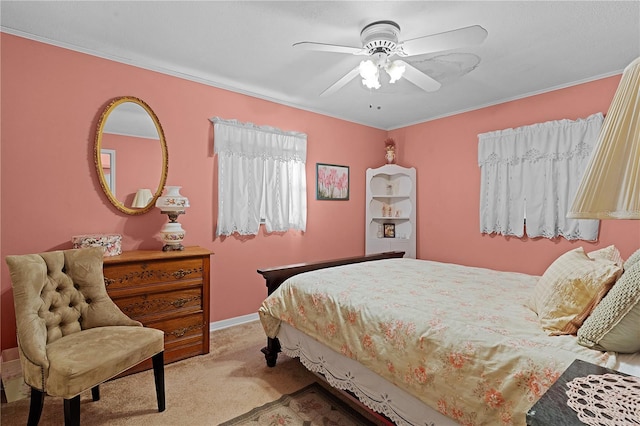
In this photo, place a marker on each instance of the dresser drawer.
(150, 305)
(180, 328)
(117, 276)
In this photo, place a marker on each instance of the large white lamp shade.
(610, 187)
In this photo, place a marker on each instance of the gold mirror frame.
(98, 158)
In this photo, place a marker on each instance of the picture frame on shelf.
(332, 182)
(389, 230)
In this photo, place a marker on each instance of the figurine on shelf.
(387, 210)
(390, 148)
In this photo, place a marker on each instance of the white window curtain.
(533, 172)
(261, 174)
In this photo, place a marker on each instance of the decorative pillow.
(570, 289)
(614, 325)
(609, 253)
(632, 260)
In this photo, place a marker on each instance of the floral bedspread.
(458, 338)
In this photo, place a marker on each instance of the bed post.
(279, 274)
(271, 351)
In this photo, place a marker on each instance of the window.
(261, 175)
(536, 170)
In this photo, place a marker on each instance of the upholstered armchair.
(71, 336)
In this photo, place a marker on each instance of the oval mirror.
(131, 155)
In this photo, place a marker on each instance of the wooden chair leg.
(95, 393)
(72, 411)
(35, 407)
(158, 375)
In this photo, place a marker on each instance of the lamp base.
(172, 236)
(173, 247)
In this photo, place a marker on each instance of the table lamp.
(172, 204)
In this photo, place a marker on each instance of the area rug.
(310, 406)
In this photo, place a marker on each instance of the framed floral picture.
(332, 182)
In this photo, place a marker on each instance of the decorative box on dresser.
(391, 210)
(164, 290)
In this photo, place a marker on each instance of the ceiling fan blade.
(323, 47)
(419, 78)
(342, 82)
(467, 36)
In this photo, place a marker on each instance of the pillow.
(614, 325)
(570, 289)
(610, 253)
(632, 260)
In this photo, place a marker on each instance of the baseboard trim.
(219, 325)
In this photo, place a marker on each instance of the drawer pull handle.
(179, 332)
(179, 303)
(181, 273)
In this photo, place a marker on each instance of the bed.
(422, 342)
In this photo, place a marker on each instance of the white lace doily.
(605, 400)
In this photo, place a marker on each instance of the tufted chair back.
(56, 294)
(71, 335)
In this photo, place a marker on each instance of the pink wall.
(52, 99)
(445, 153)
(51, 102)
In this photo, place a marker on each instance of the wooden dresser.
(164, 290)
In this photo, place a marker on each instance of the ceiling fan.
(380, 43)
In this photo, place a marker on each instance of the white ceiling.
(246, 46)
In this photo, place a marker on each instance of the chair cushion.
(82, 360)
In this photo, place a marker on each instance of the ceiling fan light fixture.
(395, 70)
(380, 36)
(369, 73)
(380, 42)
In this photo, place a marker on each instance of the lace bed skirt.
(372, 390)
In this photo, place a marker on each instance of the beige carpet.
(205, 390)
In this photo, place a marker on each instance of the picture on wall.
(332, 182)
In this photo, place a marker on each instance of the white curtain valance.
(261, 175)
(533, 172)
(250, 140)
(550, 141)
